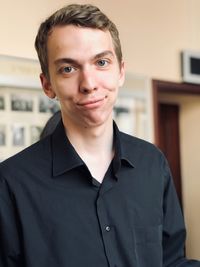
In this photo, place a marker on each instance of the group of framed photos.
(23, 114)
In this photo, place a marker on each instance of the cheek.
(110, 82)
(65, 88)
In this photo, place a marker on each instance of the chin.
(96, 122)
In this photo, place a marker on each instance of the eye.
(67, 69)
(102, 63)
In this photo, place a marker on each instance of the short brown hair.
(80, 15)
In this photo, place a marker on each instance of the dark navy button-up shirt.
(53, 213)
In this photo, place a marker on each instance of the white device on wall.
(191, 66)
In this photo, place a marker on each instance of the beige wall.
(153, 32)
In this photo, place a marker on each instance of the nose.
(87, 82)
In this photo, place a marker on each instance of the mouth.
(92, 103)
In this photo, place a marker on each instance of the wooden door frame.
(159, 86)
(170, 88)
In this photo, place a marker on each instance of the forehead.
(77, 41)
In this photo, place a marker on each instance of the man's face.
(84, 74)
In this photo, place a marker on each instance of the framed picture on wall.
(2, 103)
(48, 105)
(2, 135)
(20, 102)
(18, 135)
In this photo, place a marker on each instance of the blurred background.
(157, 103)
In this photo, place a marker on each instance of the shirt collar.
(62, 146)
(123, 153)
(64, 155)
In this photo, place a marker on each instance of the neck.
(90, 138)
(94, 145)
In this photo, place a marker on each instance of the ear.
(46, 85)
(121, 74)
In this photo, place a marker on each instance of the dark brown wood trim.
(155, 110)
(172, 87)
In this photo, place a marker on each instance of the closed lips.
(90, 102)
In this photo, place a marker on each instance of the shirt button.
(108, 228)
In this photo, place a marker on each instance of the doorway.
(166, 123)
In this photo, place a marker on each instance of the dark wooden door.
(169, 140)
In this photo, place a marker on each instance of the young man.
(87, 195)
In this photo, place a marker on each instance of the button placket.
(106, 229)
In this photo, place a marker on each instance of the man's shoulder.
(28, 157)
(142, 153)
(136, 143)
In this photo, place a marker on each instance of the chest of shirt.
(131, 199)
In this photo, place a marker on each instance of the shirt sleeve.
(174, 232)
(10, 255)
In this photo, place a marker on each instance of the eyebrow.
(66, 60)
(75, 62)
(103, 54)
